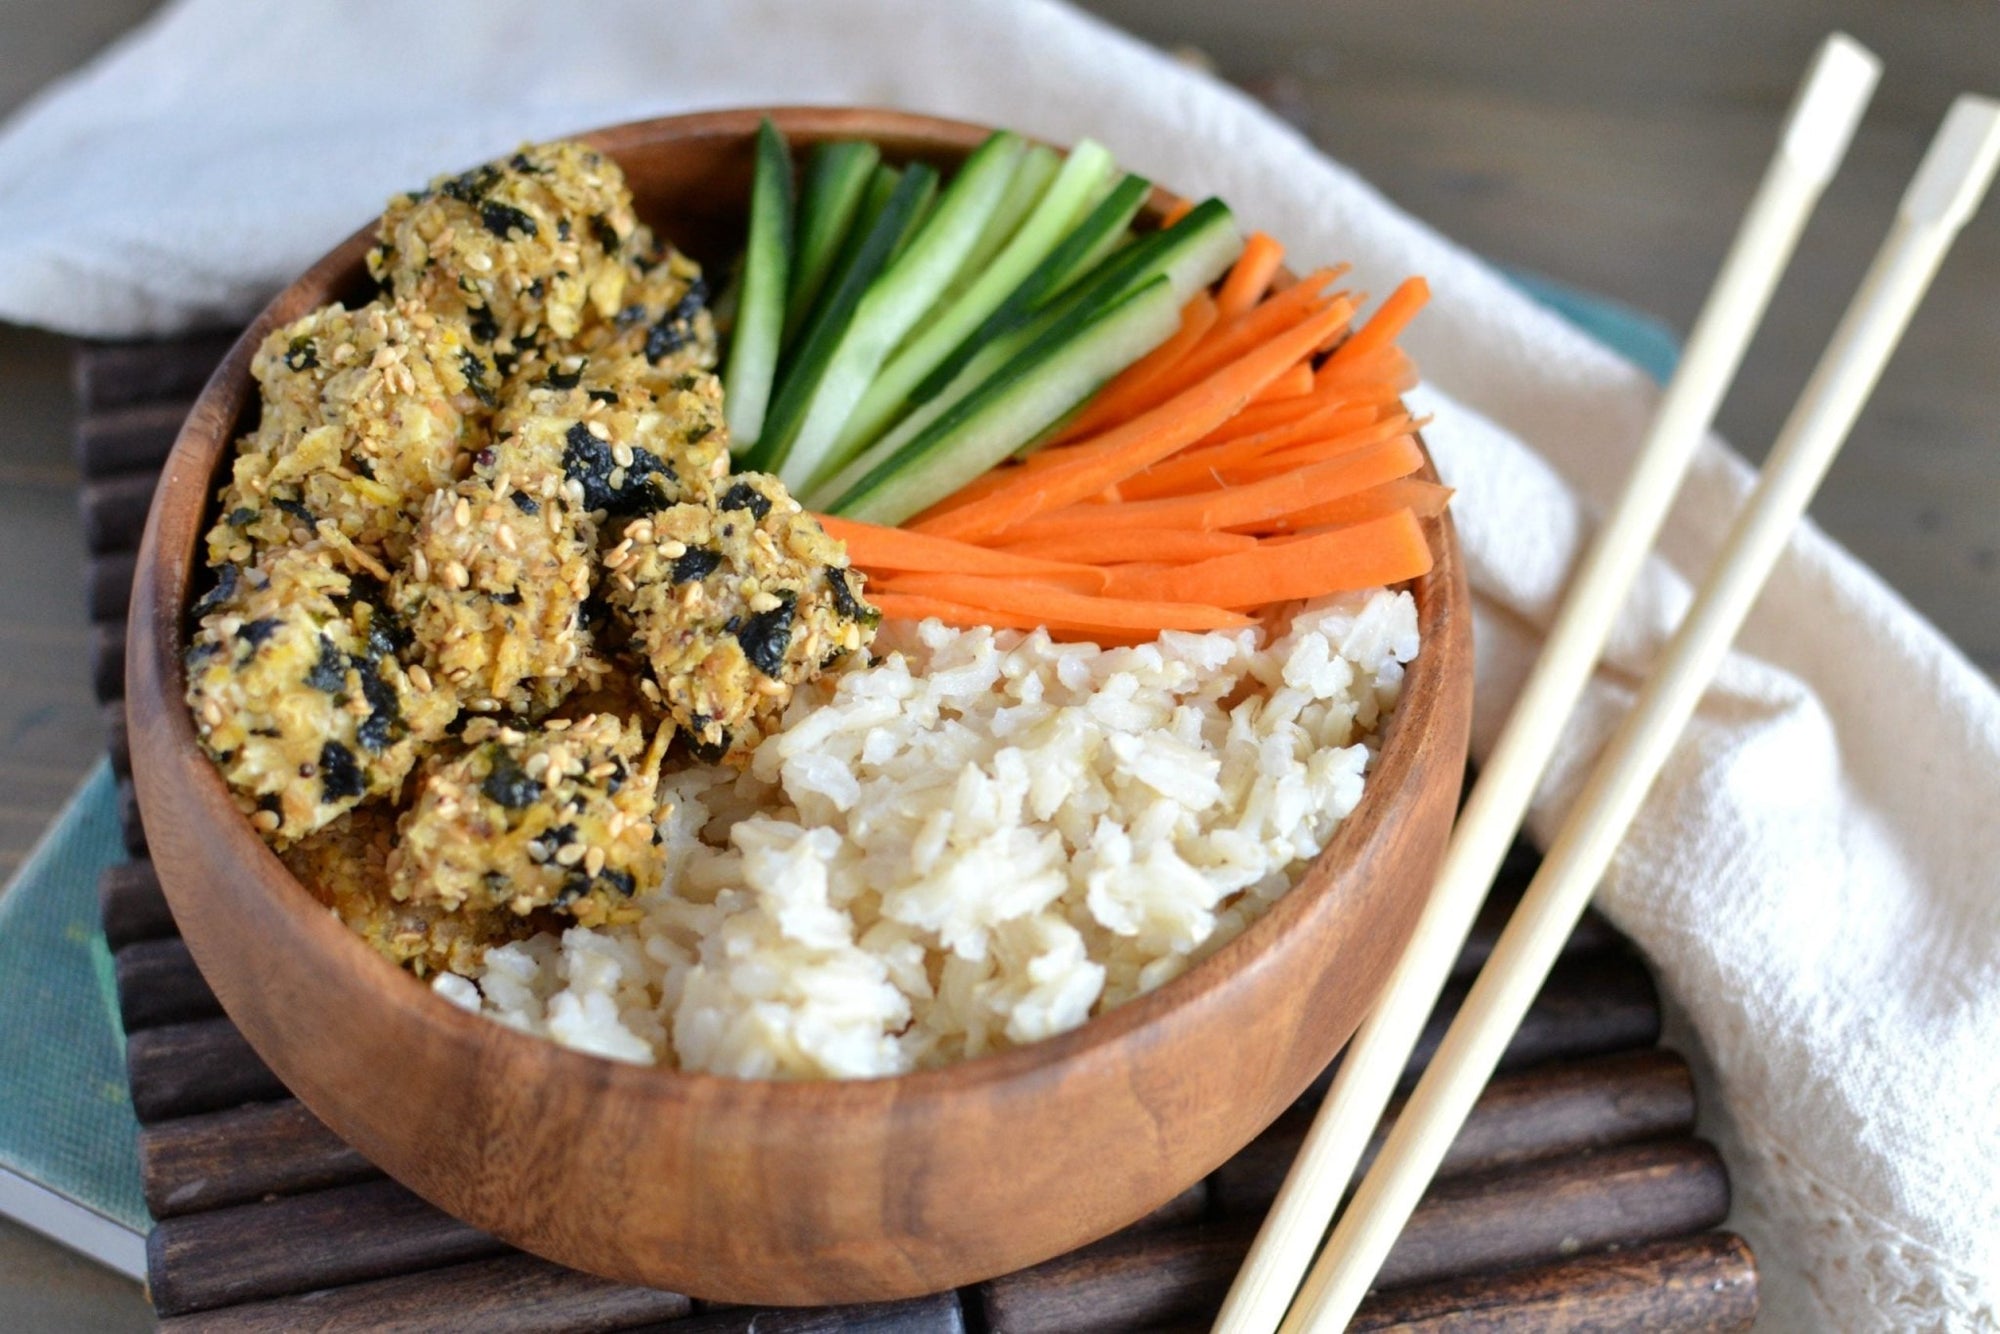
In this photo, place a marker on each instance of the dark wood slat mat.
(1576, 1197)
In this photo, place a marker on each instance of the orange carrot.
(1385, 550)
(1195, 469)
(1243, 506)
(1251, 277)
(1171, 546)
(1144, 440)
(1181, 208)
(1294, 383)
(1282, 310)
(1060, 607)
(1424, 499)
(1388, 320)
(875, 548)
(1136, 387)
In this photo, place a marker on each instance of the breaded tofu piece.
(733, 602)
(524, 249)
(299, 695)
(345, 865)
(365, 413)
(558, 815)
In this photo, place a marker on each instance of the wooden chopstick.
(1815, 138)
(1949, 183)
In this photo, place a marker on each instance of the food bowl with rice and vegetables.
(803, 706)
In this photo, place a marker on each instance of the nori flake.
(482, 324)
(559, 379)
(226, 578)
(471, 186)
(697, 563)
(524, 502)
(844, 601)
(620, 881)
(503, 218)
(330, 672)
(298, 511)
(339, 775)
(744, 496)
(241, 516)
(702, 750)
(508, 784)
(766, 636)
(676, 327)
(385, 715)
(603, 395)
(300, 354)
(474, 371)
(256, 632)
(587, 461)
(606, 234)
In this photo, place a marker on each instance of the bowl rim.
(198, 455)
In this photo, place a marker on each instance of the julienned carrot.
(1181, 208)
(1335, 396)
(1144, 440)
(1113, 546)
(1200, 468)
(1424, 499)
(1294, 383)
(1133, 389)
(1385, 550)
(876, 549)
(1389, 319)
(1251, 276)
(1305, 455)
(1055, 605)
(1243, 506)
(1231, 339)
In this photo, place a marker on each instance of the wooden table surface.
(1606, 144)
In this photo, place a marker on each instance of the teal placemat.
(66, 1119)
(65, 1115)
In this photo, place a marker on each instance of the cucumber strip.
(1112, 215)
(893, 304)
(1037, 170)
(1192, 253)
(836, 179)
(833, 314)
(1059, 371)
(1038, 234)
(760, 310)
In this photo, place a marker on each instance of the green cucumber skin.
(1049, 379)
(759, 325)
(1033, 175)
(835, 312)
(900, 296)
(836, 180)
(1054, 214)
(1111, 216)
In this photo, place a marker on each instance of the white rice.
(979, 840)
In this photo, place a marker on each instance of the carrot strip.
(1424, 499)
(1063, 607)
(1243, 506)
(1281, 310)
(1294, 383)
(1181, 208)
(1251, 277)
(876, 548)
(1170, 546)
(1144, 440)
(1385, 550)
(1198, 468)
(1137, 387)
(1388, 320)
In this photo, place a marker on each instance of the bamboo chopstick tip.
(1829, 105)
(1958, 166)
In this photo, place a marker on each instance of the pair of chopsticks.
(1947, 187)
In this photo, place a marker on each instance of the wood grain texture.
(1705, 1284)
(348, 1234)
(1539, 1212)
(159, 984)
(201, 1066)
(132, 905)
(114, 509)
(114, 442)
(924, 1315)
(147, 373)
(510, 1294)
(107, 588)
(834, 1191)
(195, 1163)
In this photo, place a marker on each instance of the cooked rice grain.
(980, 840)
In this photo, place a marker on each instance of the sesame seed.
(621, 454)
(461, 513)
(265, 820)
(420, 678)
(420, 566)
(569, 854)
(593, 860)
(598, 429)
(505, 537)
(456, 575)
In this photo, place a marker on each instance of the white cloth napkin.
(1813, 877)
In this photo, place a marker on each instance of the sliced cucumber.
(760, 311)
(834, 312)
(1037, 169)
(1191, 254)
(896, 300)
(836, 179)
(1101, 227)
(1038, 234)
(1049, 379)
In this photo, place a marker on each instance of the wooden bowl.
(748, 1191)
